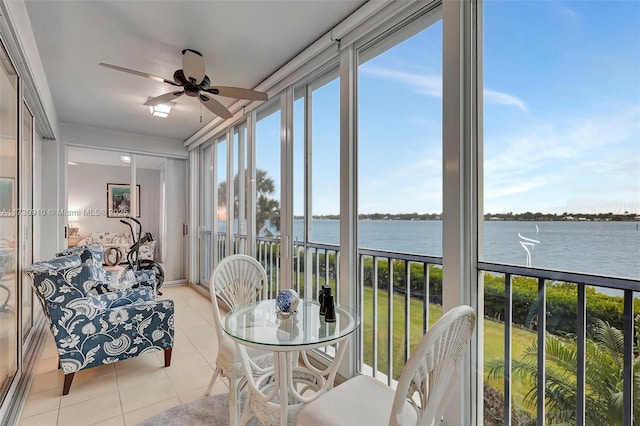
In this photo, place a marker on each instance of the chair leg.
(233, 403)
(68, 378)
(213, 380)
(167, 357)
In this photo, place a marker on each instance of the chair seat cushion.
(339, 407)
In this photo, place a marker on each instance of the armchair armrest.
(146, 278)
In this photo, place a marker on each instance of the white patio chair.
(424, 387)
(237, 280)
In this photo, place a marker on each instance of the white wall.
(87, 189)
(130, 142)
(47, 196)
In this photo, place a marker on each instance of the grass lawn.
(493, 336)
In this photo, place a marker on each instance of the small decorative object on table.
(287, 303)
(329, 308)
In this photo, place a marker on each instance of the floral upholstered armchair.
(93, 326)
(93, 255)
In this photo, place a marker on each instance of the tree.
(267, 208)
(603, 377)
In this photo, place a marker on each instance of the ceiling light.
(161, 110)
(72, 163)
(125, 158)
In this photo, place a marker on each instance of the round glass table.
(258, 326)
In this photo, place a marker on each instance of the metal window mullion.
(242, 181)
(627, 367)
(542, 326)
(407, 305)
(508, 331)
(215, 248)
(581, 333)
(251, 184)
(390, 323)
(308, 173)
(230, 191)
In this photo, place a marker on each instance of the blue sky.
(561, 115)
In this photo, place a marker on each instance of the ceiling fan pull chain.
(201, 112)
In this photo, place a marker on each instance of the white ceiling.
(243, 43)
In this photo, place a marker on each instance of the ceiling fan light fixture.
(161, 110)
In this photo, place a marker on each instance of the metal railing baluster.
(508, 335)
(542, 328)
(581, 333)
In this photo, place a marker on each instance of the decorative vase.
(287, 303)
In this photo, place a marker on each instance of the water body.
(601, 248)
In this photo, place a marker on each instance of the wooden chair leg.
(167, 357)
(68, 378)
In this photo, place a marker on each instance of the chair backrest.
(432, 368)
(237, 280)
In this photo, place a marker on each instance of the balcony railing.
(400, 295)
(560, 316)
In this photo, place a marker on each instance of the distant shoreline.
(521, 217)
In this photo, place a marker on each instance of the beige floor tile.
(202, 337)
(142, 362)
(89, 385)
(42, 402)
(210, 355)
(47, 365)
(186, 320)
(50, 418)
(187, 379)
(115, 421)
(199, 393)
(188, 358)
(134, 417)
(136, 378)
(46, 381)
(145, 394)
(91, 411)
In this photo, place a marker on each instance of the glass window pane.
(400, 191)
(8, 224)
(268, 171)
(561, 135)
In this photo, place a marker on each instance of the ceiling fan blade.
(141, 74)
(238, 93)
(167, 97)
(214, 106)
(193, 66)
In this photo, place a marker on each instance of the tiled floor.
(129, 391)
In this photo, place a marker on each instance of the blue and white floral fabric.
(91, 327)
(93, 255)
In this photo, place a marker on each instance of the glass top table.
(257, 325)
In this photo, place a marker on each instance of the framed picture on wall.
(119, 200)
(6, 196)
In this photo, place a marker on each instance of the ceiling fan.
(195, 83)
